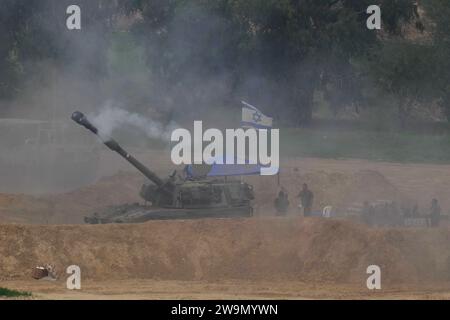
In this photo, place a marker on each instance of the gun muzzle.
(81, 119)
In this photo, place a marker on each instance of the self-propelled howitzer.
(174, 197)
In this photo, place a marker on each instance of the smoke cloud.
(111, 118)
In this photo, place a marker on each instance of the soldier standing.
(282, 202)
(306, 198)
(435, 213)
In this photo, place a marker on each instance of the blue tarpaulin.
(234, 170)
(217, 169)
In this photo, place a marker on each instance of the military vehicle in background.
(175, 197)
(387, 213)
(382, 213)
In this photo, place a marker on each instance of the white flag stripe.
(249, 105)
(252, 117)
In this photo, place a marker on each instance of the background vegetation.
(311, 64)
(4, 292)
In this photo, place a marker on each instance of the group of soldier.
(306, 197)
(306, 201)
(389, 214)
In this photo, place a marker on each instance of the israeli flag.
(252, 117)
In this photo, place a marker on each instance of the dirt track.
(176, 289)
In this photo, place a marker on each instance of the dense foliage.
(280, 54)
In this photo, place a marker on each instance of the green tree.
(404, 70)
(297, 47)
(439, 13)
(10, 13)
(35, 30)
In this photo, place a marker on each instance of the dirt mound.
(337, 189)
(371, 185)
(19, 208)
(71, 207)
(261, 249)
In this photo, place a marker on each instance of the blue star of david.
(257, 117)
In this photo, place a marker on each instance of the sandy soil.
(261, 257)
(257, 257)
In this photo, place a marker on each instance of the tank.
(174, 197)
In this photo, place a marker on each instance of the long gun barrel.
(81, 119)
